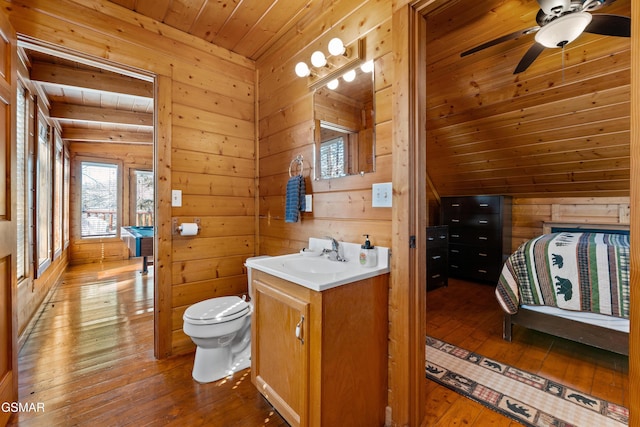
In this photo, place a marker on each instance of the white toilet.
(221, 330)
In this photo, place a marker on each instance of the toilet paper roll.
(188, 229)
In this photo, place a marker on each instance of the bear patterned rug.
(529, 399)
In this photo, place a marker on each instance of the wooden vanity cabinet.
(320, 358)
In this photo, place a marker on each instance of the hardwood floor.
(90, 361)
(466, 314)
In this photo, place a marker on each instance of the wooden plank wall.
(341, 207)
(529, 214)
(205, 141)
(33, 292)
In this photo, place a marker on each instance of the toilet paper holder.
(177, 228)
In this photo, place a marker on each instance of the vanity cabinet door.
(280, 350)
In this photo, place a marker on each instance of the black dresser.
(437, 255)
(479, 235)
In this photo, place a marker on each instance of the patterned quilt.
(572, 271)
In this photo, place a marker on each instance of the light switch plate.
(381, 195)
(308, 203)
(176, 198)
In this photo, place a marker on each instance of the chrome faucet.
(335, 253)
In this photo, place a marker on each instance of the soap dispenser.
(368, 254)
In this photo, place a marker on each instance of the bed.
(572, 282)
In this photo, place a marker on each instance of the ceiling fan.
(559, 23)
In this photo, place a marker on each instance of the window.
(332, 158)
(22, 218)
(58, 183)
(44, 195)
(99, 199)
(142, 194)
(65, 198)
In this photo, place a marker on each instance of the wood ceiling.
(559, 129)
(246, 27)
(90, 104)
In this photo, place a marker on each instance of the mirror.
(344, 128)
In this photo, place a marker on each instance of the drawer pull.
(455, 251)
(483, 221)
(453, 266)
(482, 271)
(482, 238)
(484, 205)
(482, 254)
(455, 236)
(435, 276)
(443, 236)
(430, 238)
(455, 220)
(455, 205)
(435, 257)
(299, 329)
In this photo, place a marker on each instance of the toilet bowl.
(221, 330)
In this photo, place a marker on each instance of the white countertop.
(280, 266)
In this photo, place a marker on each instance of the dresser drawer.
(484, 220)
(475, 262)
(437, 237)
(476, 236)
(474, 204)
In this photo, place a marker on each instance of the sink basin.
(317, 272)
(316, 265)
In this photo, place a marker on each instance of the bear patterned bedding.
(569, 270)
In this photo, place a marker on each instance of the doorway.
(102, 115)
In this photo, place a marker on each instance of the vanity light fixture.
(341, 60)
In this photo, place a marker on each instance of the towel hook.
(299, 161)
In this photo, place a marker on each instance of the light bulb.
(318, 59)
(367, 67)
(349, 76)
(336, 47)
(302, 69)
(333, 84)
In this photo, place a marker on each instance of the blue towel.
(294, 199)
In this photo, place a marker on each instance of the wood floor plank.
(89, 359)
(467, 314)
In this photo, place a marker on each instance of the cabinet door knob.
(299, 329)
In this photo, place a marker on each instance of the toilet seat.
(216, 310)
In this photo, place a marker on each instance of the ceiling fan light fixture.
(563, 30)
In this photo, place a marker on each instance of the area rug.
(527, 398)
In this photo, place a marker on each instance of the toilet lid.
(216, 310)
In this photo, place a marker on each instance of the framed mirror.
(344, 127)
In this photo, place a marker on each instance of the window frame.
(42, 176)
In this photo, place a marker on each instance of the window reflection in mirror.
(344, 128)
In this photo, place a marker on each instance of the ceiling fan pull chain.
(563, 63)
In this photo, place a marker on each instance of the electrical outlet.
(381, 195)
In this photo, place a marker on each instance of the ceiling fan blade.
(529, 57)
(499, 40)
(609, 25)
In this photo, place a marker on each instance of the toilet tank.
(249, 272)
